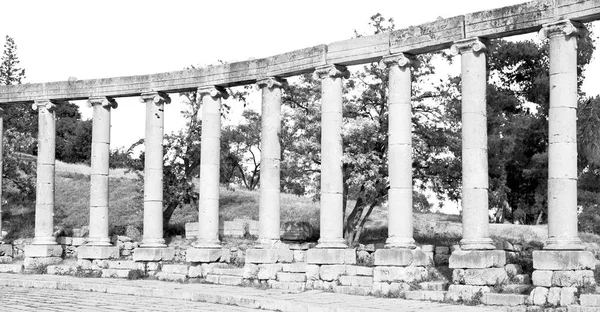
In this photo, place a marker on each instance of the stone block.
(562, 260)
(175, 269)
(490, 276)
(61, 269)
(230, 280)
(6, 250)
(228, 271)
(312, 272)
(78, 241)
(125, 265)
(203, 255)
(433, 286)
(477, 259)
(589, 300)
(553, 296)
(6, 259)
(84, 264)
(331, 256)
(191, 230)
(567, 296)
(400, 274)
(521, 279)
(296, 267)
(458, 276)
(300, 246)
(32, 263)
(195, 271)
(269, 255)
(64, 240)
(15, 268)
(269, 271)
(153, 254)
(542, 278)
(115, 273)
(360, 281)
(332, 272)
(398, 288)
(97, 252)
(291, 277)
(211, 278)
(43, 251)
(153, 266)
(503, 299)
(465, 292)
(299, 255)
(577, 278)
(538, 296)
(359, 270)
(513, 269)
(353, 290)
(99, 264)
(401, 257)
(427, 248)
(172, 277)
(517, 288)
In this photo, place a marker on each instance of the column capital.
(156, 96)
(331, 71)
(400, 59)
(271, 83)
(563, 27)
(44, 103)
(102, 100)
(476, 45)
(214, 92)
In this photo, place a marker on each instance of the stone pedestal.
(208, 210)
(476, 271)
(207, 255)
(474, 144)
(97, 252)
(331, 256)
(401, 257)
(153, 254)
(332, 217)
(269, 255)
(42, 255)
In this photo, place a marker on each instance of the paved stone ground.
(146, 294)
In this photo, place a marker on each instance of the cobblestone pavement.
(151, 295)
(32, 299)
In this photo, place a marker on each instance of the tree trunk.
(168, 213)
(539, 218)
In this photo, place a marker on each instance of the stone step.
(589, 300)
(517, 288)
(431, 295)
(436, 286)
(503, 299)
(228, 271)
(11, 268)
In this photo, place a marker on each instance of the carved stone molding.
(102, 100)
(400, 59)
(331, 71)
(156, 97)
(271, 83)
(476, 45)
(44, 103)
(564, 27)
(215, 92)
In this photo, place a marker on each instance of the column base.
(97, 252)
(266, 243)
(558, 243)
(401, 257)
(43, 251)
(207, 255)
(400, 242)
(153, 243)
(563, 260)
(47, 240)
(332, 243)
(153, 254)
(207, 244)
(331, 256)
(92, 241)
(477, 244)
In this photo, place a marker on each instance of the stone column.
(210, 154)
(1, 167)
(98, 245)
(332, 218)
(153, 244)
(44, 243)
(474, 145)
(562, 131)
(400, 213)
(269, 214)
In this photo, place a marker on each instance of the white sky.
(59, 39)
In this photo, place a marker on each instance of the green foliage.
(10, 72)
(240, 146)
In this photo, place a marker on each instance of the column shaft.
(1, 164)
(99, 171)
(153, 169)
(474, 145)
(44, 203)
(562, 131)
(400, 203)
(332, 217)
(269, 213)
(210, 154)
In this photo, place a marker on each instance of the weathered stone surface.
(331, 256)
(291, 277)
(542, 278)
(175, 269)
(503, 299)
(477, 259)
(84, 264)
(269, 255)
(78, 241)
(353, 290)
(15, 268)
(331, 272)
(361, 281)
(31, 263)
(312, 272)
(97, 252)
(513, 269)
(401, 257)
(359, 270)
(99, 264)
(292, 286)
(115, 273)
(64, 240)
(299, 255)
(203, 255)
(573, 278)
(431, 295)
(567, 295)
(297, 230)
(427, 37)
(153, 266)
(458, 276)
(433, 286)
(539, 296)
(589, 300)
(521, 279)
(61, 269)
(6, 259)
(153, 254)
(297, 267)
(125, 265)
(562, 260)
(490, 276)
(553, 296)
(465, 292)
(399, 274)
(6, 250)
(427, 248)
(228, 271)
(230, 280)
(173, 277)
(195, 271)
(269, 271)
(41, 251)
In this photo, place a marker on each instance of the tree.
(240, 152)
